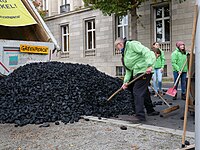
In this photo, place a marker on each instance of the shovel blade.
(172, 92)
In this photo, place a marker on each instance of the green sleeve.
(128, 76)
(174, 60)
(163, 59)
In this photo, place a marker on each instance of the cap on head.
(179, 43)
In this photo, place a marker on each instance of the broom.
(167, 110)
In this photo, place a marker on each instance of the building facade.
(87, 36)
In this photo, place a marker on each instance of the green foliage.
(42, 13)
(118, 7)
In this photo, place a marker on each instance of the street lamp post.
(197, 82)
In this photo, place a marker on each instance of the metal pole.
(197, 82)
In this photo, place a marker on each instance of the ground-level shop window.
(120, 71)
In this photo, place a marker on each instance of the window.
(120, 71)
(121, 29)
(65, 38)
(90, 37)
(65, 7)
(45, 5)
(64, 2)
(162, 23)
(90, 34)
(122, 26)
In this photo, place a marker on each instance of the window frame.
(45, 5)
(122, 70)
(163, 18)
(123, 26)
(93, 31)
(64, 2)
(67, 35)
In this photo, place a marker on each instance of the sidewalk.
(172, 120)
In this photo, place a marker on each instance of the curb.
(141, 126)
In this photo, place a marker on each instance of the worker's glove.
(125, 86)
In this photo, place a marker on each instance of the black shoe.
(183, 96)
(175, 97)
(138, 119)
(154, 113)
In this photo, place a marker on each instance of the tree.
(120, 8)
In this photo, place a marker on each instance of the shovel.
(172, 91)
(136, 78)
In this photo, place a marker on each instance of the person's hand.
(149, 69)
(161, 70)
(179, 72)
(125, 86)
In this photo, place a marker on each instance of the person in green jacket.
(137, 59)
(158, 70)
(178, 58)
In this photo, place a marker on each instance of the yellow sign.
(14, 13)
(34, 49)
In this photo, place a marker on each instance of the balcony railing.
(117, 51)
(64, 8)
(165, 46)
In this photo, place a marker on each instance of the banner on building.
(13, 13)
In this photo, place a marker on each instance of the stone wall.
(181, 29)
(104, 58)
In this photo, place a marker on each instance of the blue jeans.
(157, 79)
(183, 81)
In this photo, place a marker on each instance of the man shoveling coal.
(138, 59)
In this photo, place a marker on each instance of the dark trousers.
(141, 95)
(183, 81)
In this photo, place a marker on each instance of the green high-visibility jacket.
(137, 58)
(178, 59)
(160, 61)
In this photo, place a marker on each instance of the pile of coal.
(2, 76)
(53, 91)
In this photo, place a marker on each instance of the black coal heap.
(55, 91)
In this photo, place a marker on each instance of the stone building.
(87, 36)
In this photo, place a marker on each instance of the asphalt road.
(174, 119)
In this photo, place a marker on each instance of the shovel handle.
(180, 73)
(160, 96)
(136, 78)
(114, 94)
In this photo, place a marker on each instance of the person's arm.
(174, 60)
(163, 59)
(127, 78)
